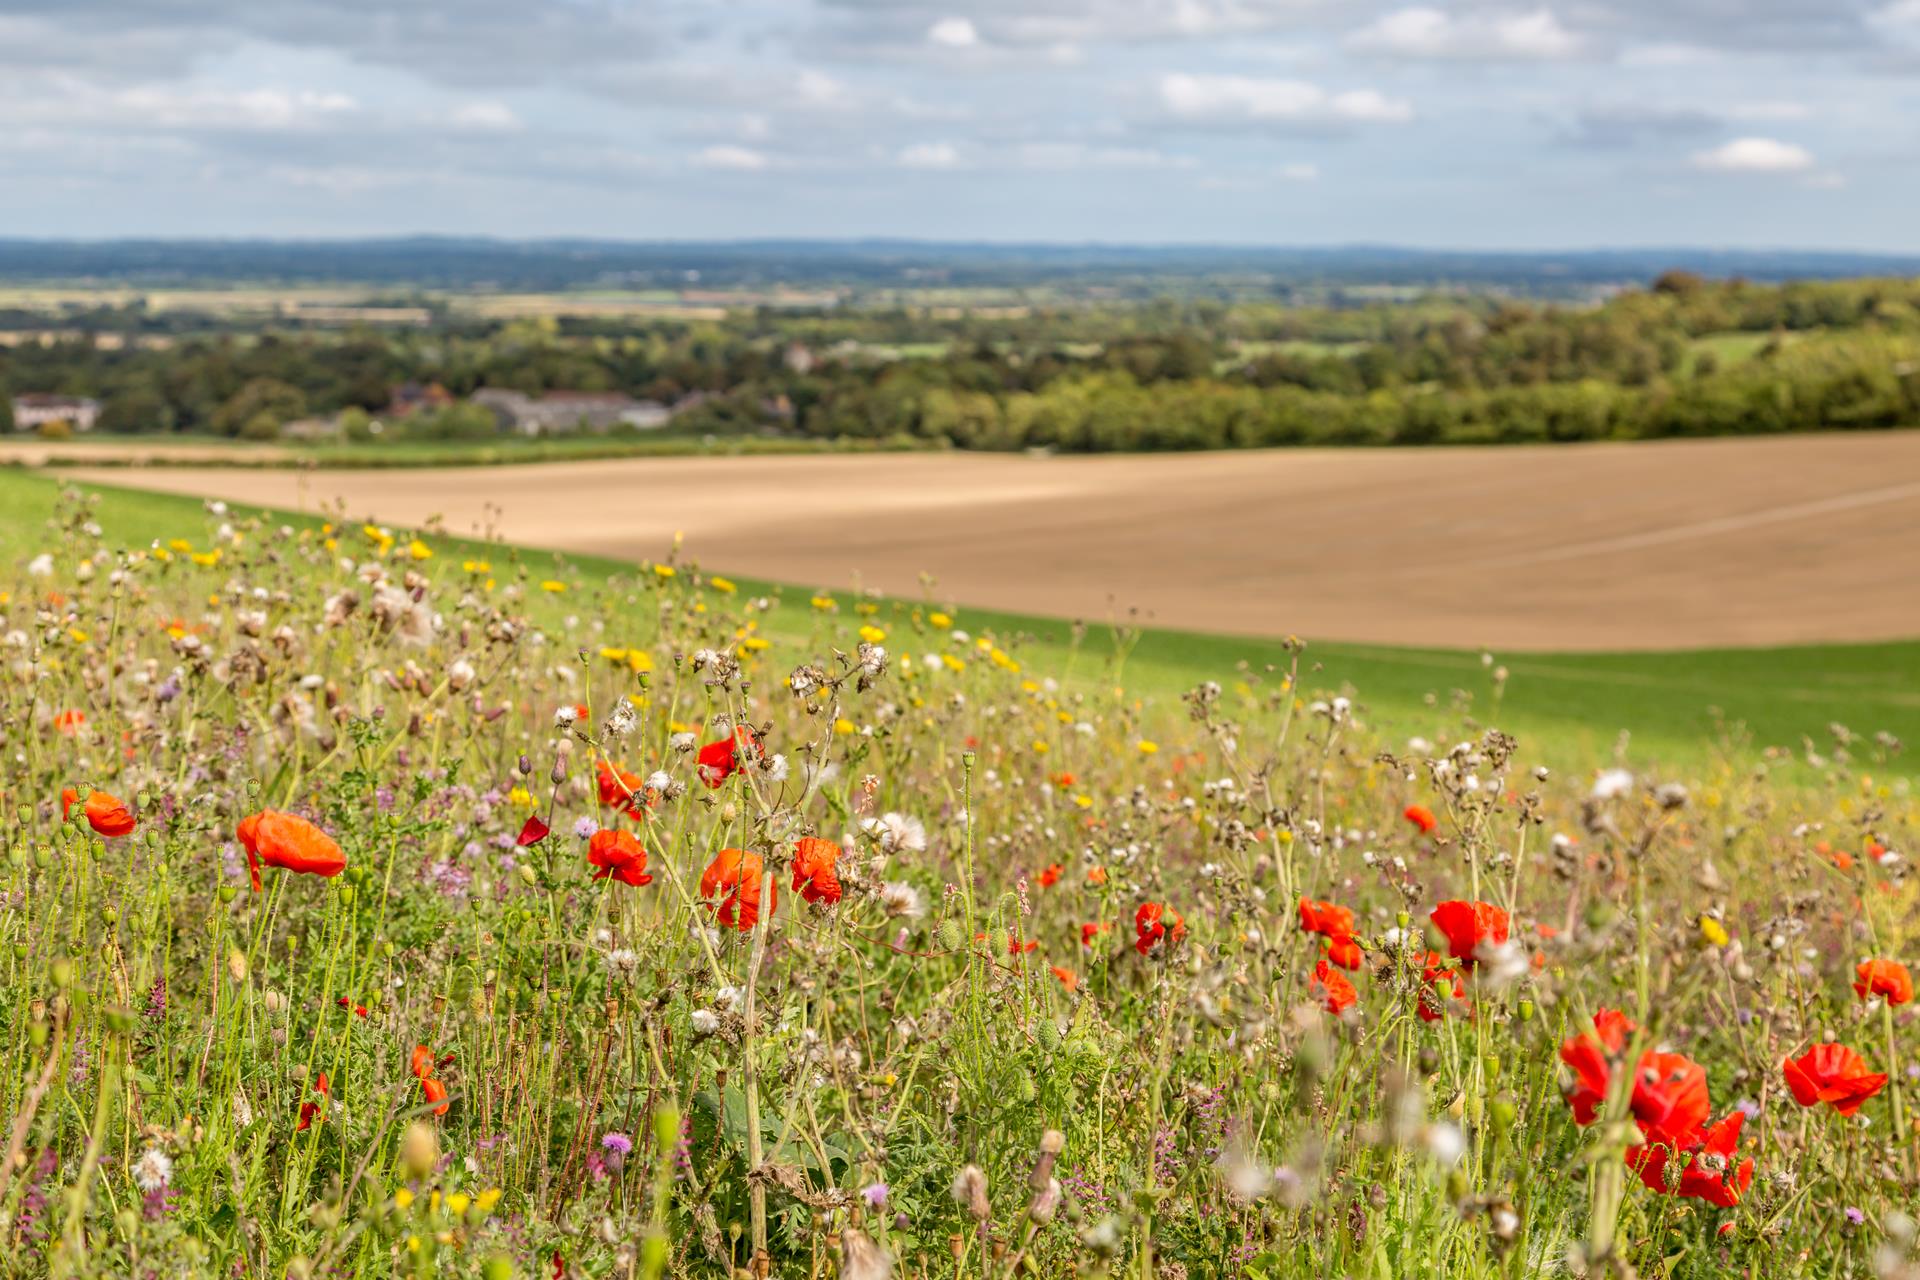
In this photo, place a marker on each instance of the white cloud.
(1422, 32)
(730, 157)
(953, 33)
(1300, 172)
(1755, 155)
(190, 108)
(930, 155)
(485, 117)
(1081, 155)
(1768, 111)
(1234, 99)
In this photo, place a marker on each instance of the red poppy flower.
(1441, 988)
(105, 814)
(1153, 922)
(420, 1063)
(1345, 952)
(720, 760)
(1015, 947)
(618, 855)
(814, 875)
(357, 1010)
(1707, 1170)
(1068, 978)
(1887, 979)
(1422, 817)
(1669, 1095)
(1088, 932)
(70, 722)
(1062, 779)
(1466, 925)
(1050, 875)
(435, 1092)
(624, 791)
(308, 1110)
(533, 832)
(1325, 918)
(285, 840)
(731, 886)
(1335, 993)
(1590, 1055)
(1833, 1074)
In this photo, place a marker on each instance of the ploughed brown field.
(1620, 546)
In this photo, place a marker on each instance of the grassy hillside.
(1573, 710)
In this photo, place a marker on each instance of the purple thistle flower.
(585, 828)
(875, 1196)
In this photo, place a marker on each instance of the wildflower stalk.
(750, 1069)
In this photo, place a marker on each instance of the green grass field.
(1569, 710)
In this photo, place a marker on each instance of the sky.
(1578, 123)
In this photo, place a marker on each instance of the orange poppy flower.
(618, 855)
(1325, 918)
(308, 1110)
(813, 870)
(1345, 952)
(624, 791)
(1466, 925)
(1068, 978)
(105, 814)
(731, 886)
(70, 722)
(1709, 1172)
(1335, 992)
(435, 1093)
(286, 840)
(1888, 979)
(1050, 875)
(720, 760)
(1421, 817)
(1152, 923)
(1833, 1074)
(421, 1062)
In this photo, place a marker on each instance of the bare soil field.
(1574, 547)
(30, 451)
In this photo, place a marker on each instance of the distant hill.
(551, 265)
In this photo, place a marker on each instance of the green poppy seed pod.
(119, 1019)
(37, 1032)
(1503, 1112)
(497, 1267)
(346, 894)
(387, 949)
(140, 801)
(1457, 1186)
(110, 916)
(1403, 919)
(1526, 1011)
(252, 787)
(42, 857)
(19, 951)
(227, 893)
(24, 814)
(62, 974)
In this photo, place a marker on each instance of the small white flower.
(152, 1170)
(1611, 784)
(41, 566)
(705, 1021)
(460, 674)
(902, 899)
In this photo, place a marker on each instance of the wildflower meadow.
(380, 903)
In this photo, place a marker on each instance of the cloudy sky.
(1476, 124)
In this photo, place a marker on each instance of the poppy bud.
(526, 766)
(419, 1149)
(227, 893)
(949, 935)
